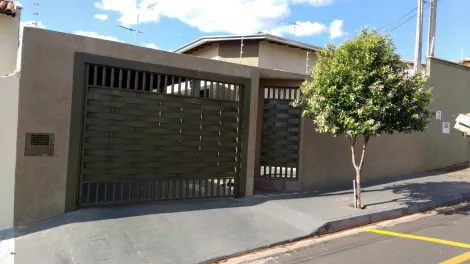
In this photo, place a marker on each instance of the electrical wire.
(426, 5)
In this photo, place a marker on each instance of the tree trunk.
(358, 167)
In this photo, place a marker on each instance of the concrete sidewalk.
(199, 231)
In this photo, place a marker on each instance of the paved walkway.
(198, 231)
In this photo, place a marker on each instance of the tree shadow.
(412, 192)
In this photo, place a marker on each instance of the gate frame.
(78, 107)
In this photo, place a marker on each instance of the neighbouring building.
(261, 50)
(10, 16)
(465, 62)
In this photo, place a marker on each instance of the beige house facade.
(261, 50)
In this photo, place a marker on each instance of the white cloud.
(336, 29)
(314, 2)
(212, 16)
(300, 29)
(101, 17)
(151, 46)
(96, 35)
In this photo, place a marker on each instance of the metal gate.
(153, 136)
(280, 134)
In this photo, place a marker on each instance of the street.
(442, 238)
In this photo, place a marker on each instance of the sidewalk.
(199, 231)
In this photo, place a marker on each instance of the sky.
(170, 24)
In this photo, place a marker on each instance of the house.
(465, 62)
(10, 16)
(260, 50)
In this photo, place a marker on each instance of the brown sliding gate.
(156, 136)
(280, 134)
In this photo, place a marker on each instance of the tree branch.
(364, 148)
(353, 142)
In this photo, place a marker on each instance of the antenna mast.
(130, 32)
(36, 14)
(241, 50)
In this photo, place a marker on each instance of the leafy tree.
(361, 89)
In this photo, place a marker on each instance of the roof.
(7, 7)
(276, 39)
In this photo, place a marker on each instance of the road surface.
(442, 238)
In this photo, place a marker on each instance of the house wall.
(9, 89)
(45, 97)
(282, 57)
(451, 96)
(229, 51)
(9, 32)
(209, 51)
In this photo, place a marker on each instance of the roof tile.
(7, 7)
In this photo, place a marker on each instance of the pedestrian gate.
(154, 136)
(280, 134)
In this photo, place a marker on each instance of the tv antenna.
(136, 31)
(295, 25)
(36, 14)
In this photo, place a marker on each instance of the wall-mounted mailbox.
(39, 144)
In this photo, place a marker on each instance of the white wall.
(282, 57)
(9, 32)
(9, 92)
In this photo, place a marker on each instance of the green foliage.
(363, 88)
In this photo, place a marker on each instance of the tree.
(361, 89)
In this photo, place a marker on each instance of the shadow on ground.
(409, 193)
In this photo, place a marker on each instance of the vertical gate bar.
(269, 92)
(202, 88)
(233, 94)
(181, 188)
(186, 88)
(130, 191)
(211, 90)
(145, 190)
(122, 191)
(97, 189)
(159, 83)
(105, 191)
(285, 93)
(223, 91)
(120, 78)
(95, 75)
(223, 186)
(112, 77)
(136, 81)
(151, 82)
(187, 188)
(174, 190)
(144, 81)
(152, 191)
(128, 80)
(179, 85)
(206, 189)
(165, 91)
(114, 191)
(193, 189)
(103, 77)
(88, 192)
(172, 84)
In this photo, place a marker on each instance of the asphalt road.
(443, 238)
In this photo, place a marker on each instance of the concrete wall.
(9, 32)
(45, 104)
(209, 51)
(451, 91)
(9, 89)
(282, 57)
(327, 161)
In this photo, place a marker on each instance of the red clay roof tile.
(7, 7)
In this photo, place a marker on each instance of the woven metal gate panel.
(280, 135)
(149, 136)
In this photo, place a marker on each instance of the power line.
(426, 5)
(398, 19)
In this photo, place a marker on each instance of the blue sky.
(169, 24)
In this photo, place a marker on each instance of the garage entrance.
(158, 135)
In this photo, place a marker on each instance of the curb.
(362, 220)
(357, 221)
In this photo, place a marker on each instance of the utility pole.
(419, 37)
(432, 29)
